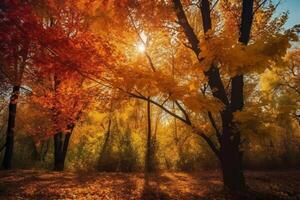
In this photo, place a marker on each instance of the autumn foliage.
(150, 85)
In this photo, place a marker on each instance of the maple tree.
(17, 45)
(68, 53)
(58, 48)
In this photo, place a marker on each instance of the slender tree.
(16, 52)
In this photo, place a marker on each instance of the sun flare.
(141, 47)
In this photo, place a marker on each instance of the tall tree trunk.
(45, 151)
(148, 157)
(232, 169)
(61, 143)
(36, 154)
(104, 149)
(9, 144)
(58, 156)
(231, 156)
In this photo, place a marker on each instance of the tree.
(283, 80)
(63, 53)
(222, 59)
(280, 87)
(17, 47)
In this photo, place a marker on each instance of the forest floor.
(43, 185)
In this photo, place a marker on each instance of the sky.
(293, 6)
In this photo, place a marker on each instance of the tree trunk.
(231, 163)
(12, 110)
(104, 150)
(233, 176)
(148, 157)
(44, 152)
(230, 155)
(107, 137)
(61, 143)
(58, 157)
(35, 155)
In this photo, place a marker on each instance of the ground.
(32, 184)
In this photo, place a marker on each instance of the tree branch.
(141, 39)
(259, 6)
(208, 141)
(159, 105)
(184, 112)
(214, 5)
(213, 123)
(188, 30)
(195, 130)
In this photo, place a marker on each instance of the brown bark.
(149, 150)
(61, 143)
(106, 140)
(9, 144)
(230, 155)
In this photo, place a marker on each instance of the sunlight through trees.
(149, 86)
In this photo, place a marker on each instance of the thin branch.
(188, 30)
(77, 70)
(139, 93)
(187, 46)
(23, 88)
(259, 6)
(186, 121)
(203, 90)
(141, 39)
(214, 5)
(184, 112)
(160, 106)
(213, 123)
(294, 88)
(166, 100)
(150, 61)
(208, 141)
(291, 68)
